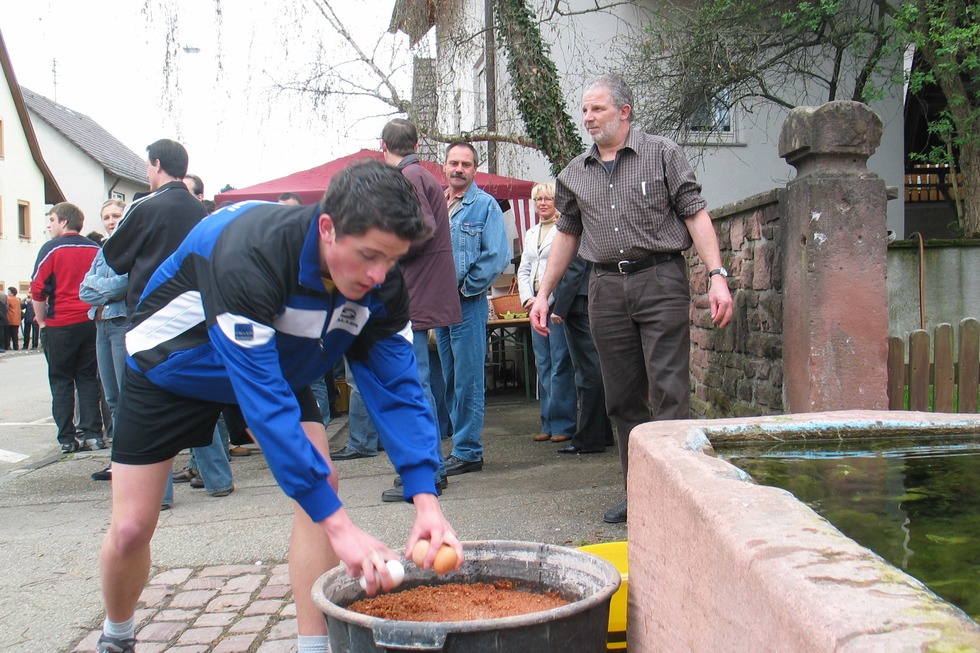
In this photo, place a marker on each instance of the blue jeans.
(212, 463)
(463, 352)
(110, 349)
(322, 395)
(363, 435)
(437, 385)
(420, 344)
(556, 381)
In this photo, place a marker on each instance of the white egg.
(395, 568)
(397, 571)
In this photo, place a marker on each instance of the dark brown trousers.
(640, 324)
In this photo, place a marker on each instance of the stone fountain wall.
(718, 563)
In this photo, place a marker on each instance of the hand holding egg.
(396, 570)
(445, 560)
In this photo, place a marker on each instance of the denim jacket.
(479, 237)
(103, 287)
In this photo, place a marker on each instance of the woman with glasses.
(556, 376)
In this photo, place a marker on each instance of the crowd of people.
(206, 334)
(17, 322)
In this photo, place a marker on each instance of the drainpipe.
(922, 280)
(490, 61)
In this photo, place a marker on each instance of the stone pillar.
(835, 324)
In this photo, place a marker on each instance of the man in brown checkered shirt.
(631, 205)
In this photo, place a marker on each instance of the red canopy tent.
(310, 184)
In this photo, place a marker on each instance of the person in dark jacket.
(68, 335)
(593, 432)
(258, 301)
(31, 328)
(430, 280)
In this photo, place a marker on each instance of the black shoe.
(70, 447)
(440, 485)
(576, 449)
(456, 466)
(348, 453)
(197, 483)
(615, 515)
(394, 494)
(103, 475)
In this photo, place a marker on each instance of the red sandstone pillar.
(835, 324)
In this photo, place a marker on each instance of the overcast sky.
(106, 59)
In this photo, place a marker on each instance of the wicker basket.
(509, 303)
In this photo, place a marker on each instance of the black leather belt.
(629, 267)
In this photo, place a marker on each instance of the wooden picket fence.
(934, 381)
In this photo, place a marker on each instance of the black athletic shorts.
(153, 424)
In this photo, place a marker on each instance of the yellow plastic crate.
(616, 553)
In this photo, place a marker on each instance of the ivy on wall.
(534, 80)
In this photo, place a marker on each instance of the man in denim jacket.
(480, 253)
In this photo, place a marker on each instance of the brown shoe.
(561, 438)
(240, 451)
(541, 437)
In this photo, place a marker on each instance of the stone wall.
(738, 371)
(808, 279)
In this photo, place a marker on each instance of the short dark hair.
(400, 137)
(476, 156)
(95, 237)
(372, 194)
(171, 155)
(68, 212)
(11, 290)
(290, 196)
(198, 184)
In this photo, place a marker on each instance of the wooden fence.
(952, 386)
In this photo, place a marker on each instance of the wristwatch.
(722, 271)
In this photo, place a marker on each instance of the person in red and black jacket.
(67, 335)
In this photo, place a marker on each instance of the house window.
(713, 121)
(116, 195)
(24, 220)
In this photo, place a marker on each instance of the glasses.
(544, 199)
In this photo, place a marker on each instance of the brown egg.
(418, 552)
(445, 560)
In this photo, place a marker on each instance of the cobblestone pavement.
(217, 609)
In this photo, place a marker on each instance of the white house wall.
(582, 46)
(80, 177)
(20, 180)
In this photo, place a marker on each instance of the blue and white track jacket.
(241, 314)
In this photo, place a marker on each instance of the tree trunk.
(970, 188)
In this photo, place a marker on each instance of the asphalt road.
(27, 432)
